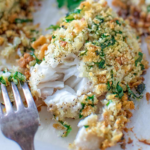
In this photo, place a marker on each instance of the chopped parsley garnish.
(71, 4)
(101, 64)
(83, 106)
(101, 20)
(68, 128)
(2, 80)
(142, 67)
(86, 126)
(16, 77)
(69, 17)
(131, 94)
(112, 74)
(106, 43)
(90, 66)
(140, 88)
(17, 20)
(97, 52)
(117, 21)
(77, 11)
(83, 52)
(38, 61)
(53, 36)
(139, 59)
(35, 31)
(116, 89)
(103, 36)
(109, 102)
(118, 32)
(148, 8)
(91, 98)
(108, 85)
(53, 27)
(62, 39)
(101, 53)
(119, 90)
(33, 39)
(32, 49)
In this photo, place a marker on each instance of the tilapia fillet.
(91, 53)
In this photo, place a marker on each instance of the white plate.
(47, 138)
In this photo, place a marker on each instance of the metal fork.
(22, 124)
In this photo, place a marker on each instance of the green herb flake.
(77, 11)
(53, 27)
(117, 21)
(131, 94)
(2, 80)
(105, 35)
(106, 43)
(17, 20)
(101, 64)
(17, 77)
(34, 31)
(139, 59)
(140, 88)
(80, 114)
(91, 98)
(53, 36)
(109, 102)
(119, 90)
(62, 39)
(33, 39)
(61, 3)
(69, 18)
(32, 49)
(68, 128)
(142, 67)
(148, 8)
(86, 126)
(38, 61)
(97, 52)
(101, 53)
(90, 66)
(118, 32)
(71, 4)
(108, 85)
(112, 74)
(83, 53)
(10, 78)
(101, 20)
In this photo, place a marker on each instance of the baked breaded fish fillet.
(91, 53)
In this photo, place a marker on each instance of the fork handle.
(27, 144)
(27, 147)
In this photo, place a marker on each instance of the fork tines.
(17, 98)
